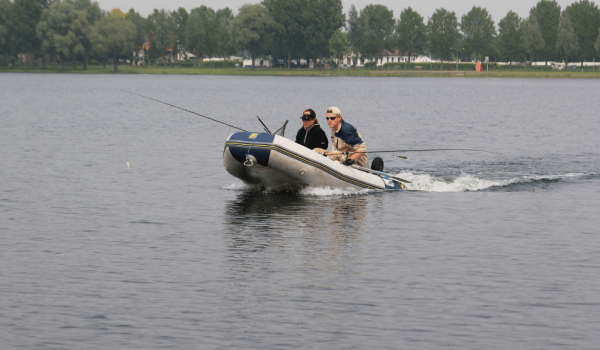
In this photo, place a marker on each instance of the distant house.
(390, 57)
(258, 63)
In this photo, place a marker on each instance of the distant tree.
(224, 43)
(5, 25)
(379, 35)
(57, 30)
(509, 38)
(115, 35)
(89, 14)
(163, 26)
(566, 40)
(195, 36)
(251, 29)
(289, 25)
(208, 20)
(442, 34)
(117, 12)
(547, 13)
(141, 32)
(180, 17)
(585, 17)
(323, 18)
(597, 45)
(339, 45)
(356, 28)
(478, 31)
(532, 38)
(25, 16)
(411, 32)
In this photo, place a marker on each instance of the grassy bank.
(360, 72)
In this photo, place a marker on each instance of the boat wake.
(430, 183)
(467, 182)
(307, 191)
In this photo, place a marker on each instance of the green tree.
(25, 16)
(251, 29)
(379, 34)
(509, 38)
(141, 32)
(180, 17)
(478, 31)
(585, 17)
(115, 35)
(532, 38)
(195, 35)
(88, 14)
(547, 13)
(339, 45)
(163, 27)
(357, 28)
(222, 24)
(323, 18)
(411, 32)
(208, 16)
(597, 45)
(442, 34)
(289, 25)
(566, 40)
(5, 25)
(57, 30)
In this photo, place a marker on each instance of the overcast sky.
(425, 8)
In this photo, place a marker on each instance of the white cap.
(334, 110)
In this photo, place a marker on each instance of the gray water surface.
(486, 251)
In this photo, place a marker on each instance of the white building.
(258, 63)
(389, 57)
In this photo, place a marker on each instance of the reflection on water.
(289, 249)
(317, 233)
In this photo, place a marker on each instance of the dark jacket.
(315, 137)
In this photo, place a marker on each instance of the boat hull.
(278, 163)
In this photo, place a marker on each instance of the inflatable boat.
(278, 163)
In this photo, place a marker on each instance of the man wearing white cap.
(345, 138)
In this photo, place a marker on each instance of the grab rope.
(249, 161)
(385, 176)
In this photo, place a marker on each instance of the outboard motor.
(377, 164)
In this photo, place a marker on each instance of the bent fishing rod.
(183, 109)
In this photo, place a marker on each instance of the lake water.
(485, 252)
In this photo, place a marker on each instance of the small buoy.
(127, 165)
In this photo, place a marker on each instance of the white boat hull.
(278, 163)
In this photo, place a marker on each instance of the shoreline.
(124, 70)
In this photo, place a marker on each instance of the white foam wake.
(466, 182)
(327, 191)
(420, 182)
(307, 191)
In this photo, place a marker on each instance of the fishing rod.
(413, 150)
(183, 109)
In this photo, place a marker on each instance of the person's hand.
(349, 161)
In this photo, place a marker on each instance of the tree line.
(71, 31)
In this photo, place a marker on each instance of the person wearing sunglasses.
(310, 134)
(346, 138)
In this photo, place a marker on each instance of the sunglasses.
(332, 118)
(307, 118)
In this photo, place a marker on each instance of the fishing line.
(183, 109)
(418, 150)
(432, 150)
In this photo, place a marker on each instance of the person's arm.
(362, 147)
(299, 136)
(322, 140)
